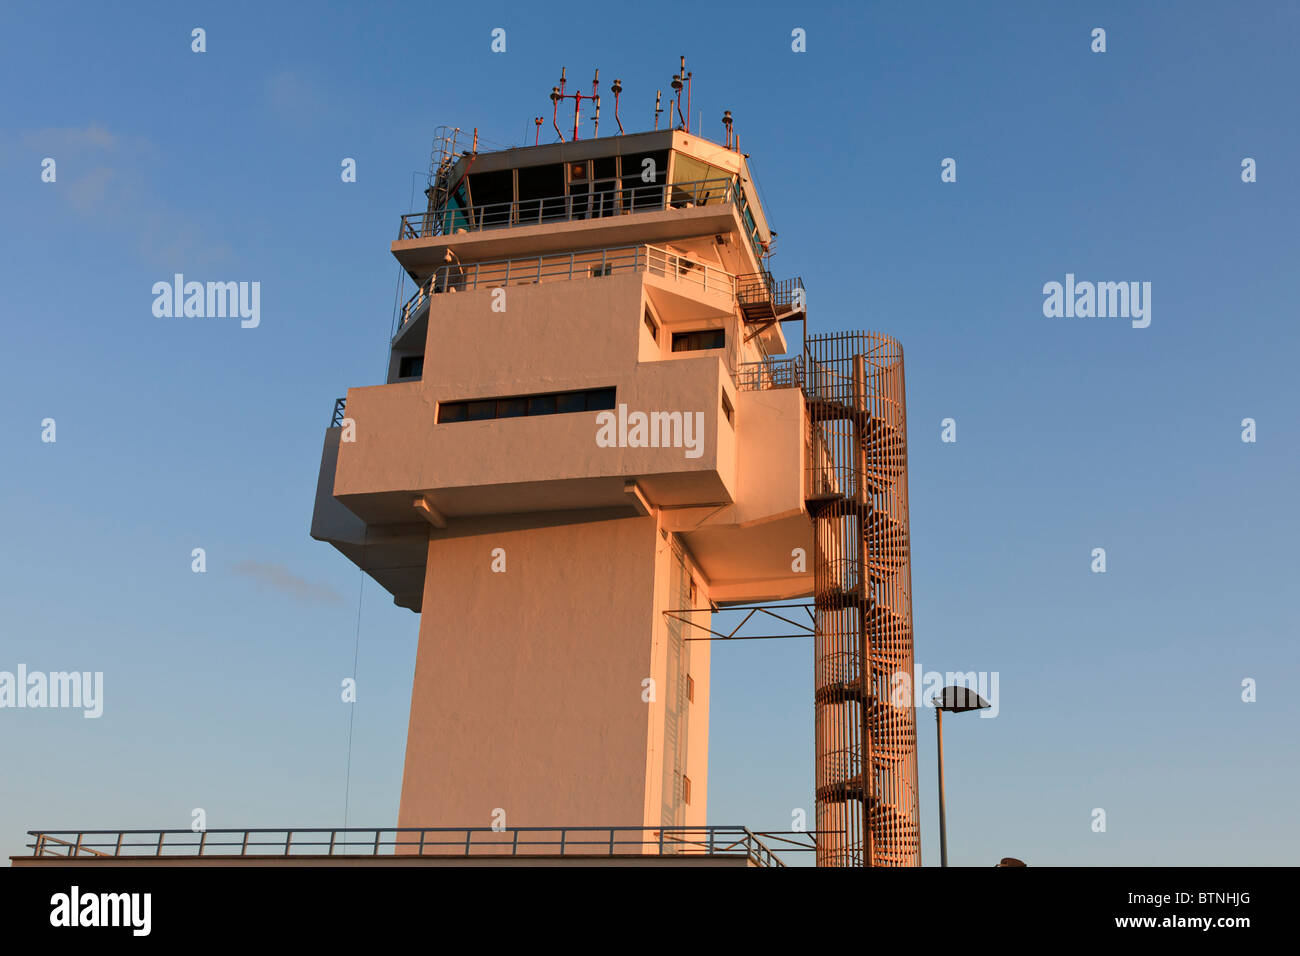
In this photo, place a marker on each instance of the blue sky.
(1119, 691)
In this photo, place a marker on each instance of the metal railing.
(716, 841)
(597, 204)
(770, 373)
(760, 288)
(561, 267)
(340, 409)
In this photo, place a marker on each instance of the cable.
(352, 714)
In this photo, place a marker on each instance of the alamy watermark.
(1102, 300)
(70, 689)
(651, 430)
(921, 687)
(212, 300)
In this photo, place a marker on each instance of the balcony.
(606, 218)
(598, 204)
(534, 270)
(771, 373)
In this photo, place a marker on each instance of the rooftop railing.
(715, 841)
(596, 204)
(562, 267)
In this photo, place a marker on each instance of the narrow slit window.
(526, 406)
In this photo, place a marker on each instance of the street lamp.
(958, 700)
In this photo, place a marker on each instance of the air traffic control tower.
(593, 436)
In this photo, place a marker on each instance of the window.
(492, 195)
(571, 402)
(643, 182)
(605, 269)
(410, 366)
(700, 340)
(512, 407)
(541, 193)
(652, 325)
(686, 789)
(541, 405)
(728, 410)
(690, 688)
(524, 406)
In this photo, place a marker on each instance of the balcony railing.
(760, 289)
(771, 373)
(717, 841)
(562, 267)
(598, 204)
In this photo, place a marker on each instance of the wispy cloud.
(279, 578)
(103, 179)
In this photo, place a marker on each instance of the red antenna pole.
(557, 94)
(538, 138)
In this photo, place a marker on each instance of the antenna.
(617, 88)
(726, 121)
(658, 94)
(688, 101)
(538, 138)
(558, 94)
(677, 83)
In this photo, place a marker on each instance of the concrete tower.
(587, 423)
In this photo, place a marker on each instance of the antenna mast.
(558, 94)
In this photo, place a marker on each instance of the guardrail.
(597, 204)
(760, 288)
(772, 373)
(724, 841)
(532, 270)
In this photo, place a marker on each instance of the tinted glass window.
(696, 341)
(410, 366)
(571, 402)
(541, 405)
(519, 406)
(511, 407)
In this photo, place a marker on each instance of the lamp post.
(958, 700)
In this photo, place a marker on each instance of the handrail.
(598, 204)
(727, 841)
(771, 373)
(592, 263)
